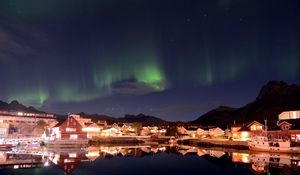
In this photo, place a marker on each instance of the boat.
(262, 143)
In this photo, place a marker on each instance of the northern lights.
(117, 57)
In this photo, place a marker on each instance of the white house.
(111, 132)
(216, 132)
(192, 132)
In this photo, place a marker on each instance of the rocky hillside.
(273, 98)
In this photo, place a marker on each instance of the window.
(73, 136)
(71, 129)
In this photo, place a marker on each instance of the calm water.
(148, 160)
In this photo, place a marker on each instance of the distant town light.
(20, 113)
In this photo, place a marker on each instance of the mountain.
(140, 118)
(273, 98)
(16, 106)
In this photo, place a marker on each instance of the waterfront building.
(102, 124)
(285, 129)
(76, 125)
(191, 132)
(111, 132)
(4, 129)
(16, 123)
(92, 130)
(246, 132)
(235, 130)
(70, 129)
(153, 130)
(216, 132)
(286, 115)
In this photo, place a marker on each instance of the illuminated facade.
(235, 131)
(247, 131)
(76, 127)
(287, 115)
(192, 132)
(14, 117)
(11, 122)
(71, 129)
(216, 132)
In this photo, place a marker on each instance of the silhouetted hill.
(96, 117)
(16, 106)
(273, 98)
(140, 118)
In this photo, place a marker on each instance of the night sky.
(174, 59)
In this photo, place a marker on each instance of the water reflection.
(68, 160)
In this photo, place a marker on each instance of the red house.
(68, 134)
(72, 129)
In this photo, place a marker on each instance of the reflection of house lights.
(240, 157)
(112, 152)
(245, 159)
(56, 158)
(162, 149)
(92, 154)
(68, 160)
(72, 155)
(46, 164)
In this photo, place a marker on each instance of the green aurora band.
(139, 68)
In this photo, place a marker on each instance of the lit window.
(91, 129)
(73, 136)
(71, 129)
